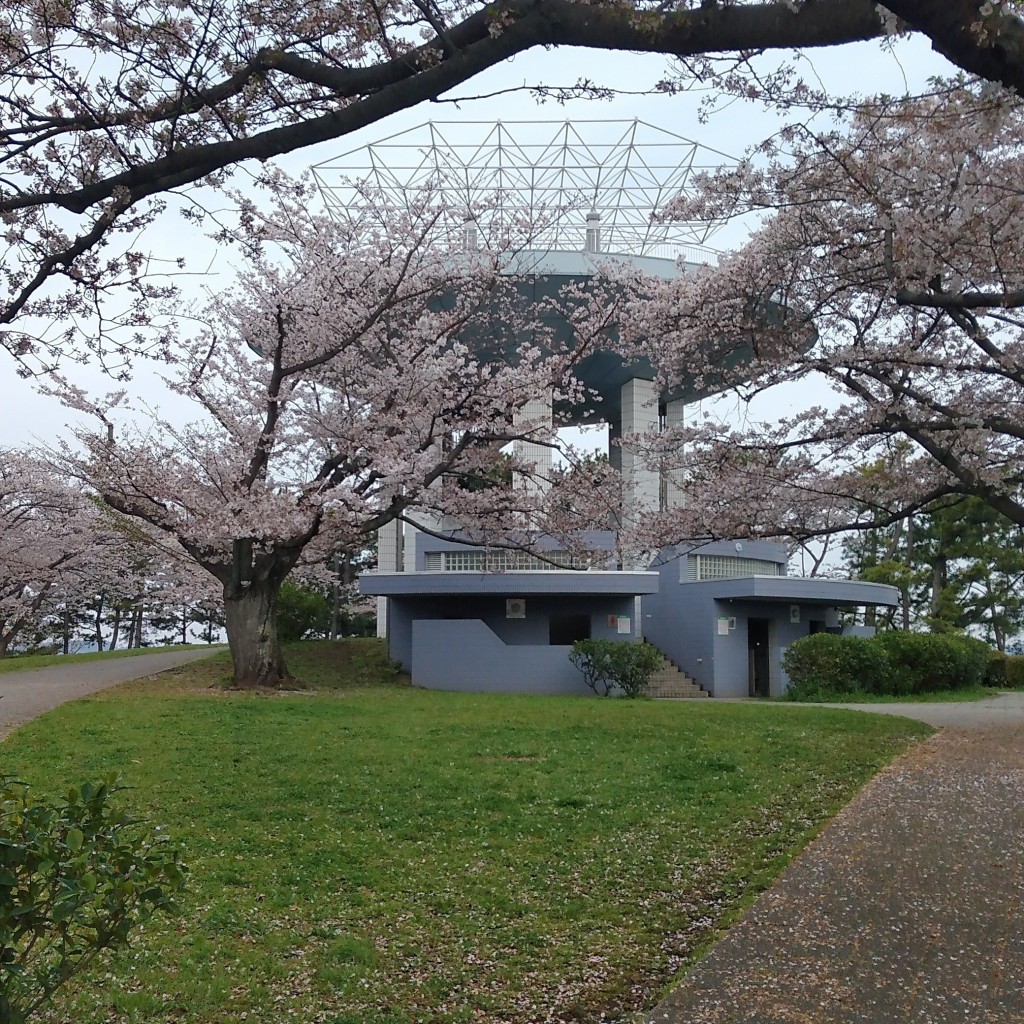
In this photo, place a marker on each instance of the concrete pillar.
(536, 411)
(389, 559)
(641, 485)
(671, 491)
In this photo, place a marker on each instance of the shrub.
(824, 665)
(301, 611)
(995, 670)
(76, 877)
(607, 664)
(1015, 671)
(926, 662)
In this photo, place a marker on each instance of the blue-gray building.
(466, 618)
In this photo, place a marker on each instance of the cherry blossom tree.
(886, 278)
(108, 108)
(55, 544)
(359, 372)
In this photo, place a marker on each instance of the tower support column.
(672, 493)
(536, 411)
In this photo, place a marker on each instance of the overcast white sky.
(27, 418)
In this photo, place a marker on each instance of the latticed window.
(728, 567)
(494, 561)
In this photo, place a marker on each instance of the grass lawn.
(27, 661)
(968, 693)
(374, 854)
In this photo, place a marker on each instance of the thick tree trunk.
(250, 614)
(115, 627)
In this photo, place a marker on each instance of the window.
(727, 567)
(498, 560)
(565, 630)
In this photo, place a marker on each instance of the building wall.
(679, 621)
(682, 620)
(731, 661)
(531, 631)
(465, 654)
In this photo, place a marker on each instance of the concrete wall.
(490, 612)
(732, 666)
(682, 621)
(466, 655)
(680, 625)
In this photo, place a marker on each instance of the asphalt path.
(907, 908)
(27, 694)
(1002, 709)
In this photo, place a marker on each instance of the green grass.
(27, 661)
(968, 693)
(385, 855)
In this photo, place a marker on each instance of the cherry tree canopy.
(107, 107)
(889, 269)
(358, 372)
(59, 548)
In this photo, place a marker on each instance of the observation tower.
(592, 188)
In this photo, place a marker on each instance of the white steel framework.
(549, 174)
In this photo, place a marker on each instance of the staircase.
(670, 682)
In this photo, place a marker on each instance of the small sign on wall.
(794, 613)
(515, 608)
(723, 625)
(625, 624)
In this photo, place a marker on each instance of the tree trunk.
(116, 627)
(250, 614)
(98, 623)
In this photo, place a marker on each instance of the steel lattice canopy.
(553, 174)
(546, 171)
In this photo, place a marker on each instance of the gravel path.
(906, 909)
(25, 695)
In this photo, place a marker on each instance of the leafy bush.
(926, 662)
(995, 669)
(1015, 671)
(610, 664)
(301, 611)
(824, 664)
(76, 877)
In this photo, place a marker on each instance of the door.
(757, 657)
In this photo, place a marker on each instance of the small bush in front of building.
(609, 665)
(1015, 671)
(824, 666)
(928, 662)
(895, 663)
(995, 670)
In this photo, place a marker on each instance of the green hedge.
(825, 666)
(1015, 671)
(995, 671)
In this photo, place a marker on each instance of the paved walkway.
(25, 695)
(908, 908)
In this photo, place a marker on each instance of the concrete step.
(670, 683)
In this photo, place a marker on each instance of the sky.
(30, 419)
